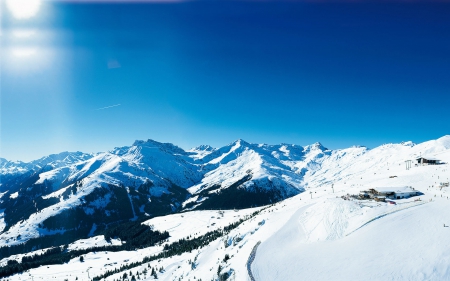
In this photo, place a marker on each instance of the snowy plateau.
(241, 212)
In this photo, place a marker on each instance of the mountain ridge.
(150, 178)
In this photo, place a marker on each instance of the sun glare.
(23, 52)
(21, 33)
(23, 9)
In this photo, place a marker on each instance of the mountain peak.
(358, 146)
(316, 146)
(408, 143)
(240, 142)
(203, 147)
(147, 142)
(161, 145)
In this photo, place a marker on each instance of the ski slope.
(407, 245)
(316, 235)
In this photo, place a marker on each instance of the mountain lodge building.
(428, 161)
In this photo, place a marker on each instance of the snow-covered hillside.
(17, 174)
(317, 235)
(51, 161)
(259, 168)
(153, 178)
(304, 227)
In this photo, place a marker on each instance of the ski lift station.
(382, 193)
(428, 161)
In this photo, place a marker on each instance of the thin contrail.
(108, 107)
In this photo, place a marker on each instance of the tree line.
(135, 234)
(182, 246)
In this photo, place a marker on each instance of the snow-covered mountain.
(320, 234)
(49, 162)
(74, 195)
(267, 172)
(17, 174)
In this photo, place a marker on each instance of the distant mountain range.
(63, 197)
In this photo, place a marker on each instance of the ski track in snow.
(251, 258)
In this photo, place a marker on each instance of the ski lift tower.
(408, 164)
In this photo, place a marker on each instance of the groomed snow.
(316, 235)
(196, 222)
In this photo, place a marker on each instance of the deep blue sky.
(211, 72)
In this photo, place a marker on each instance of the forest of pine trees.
(136, 236)
(181, 246)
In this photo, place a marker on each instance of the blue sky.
(210, 72)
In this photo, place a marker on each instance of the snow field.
(315, 235)
(286, 252)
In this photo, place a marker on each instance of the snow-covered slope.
(49, 162)
(318, 234)
(160, 164)
(146, 179)
(15, 175)
(358, 164)
(240, 168)
(80, 194)
(153, 178)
